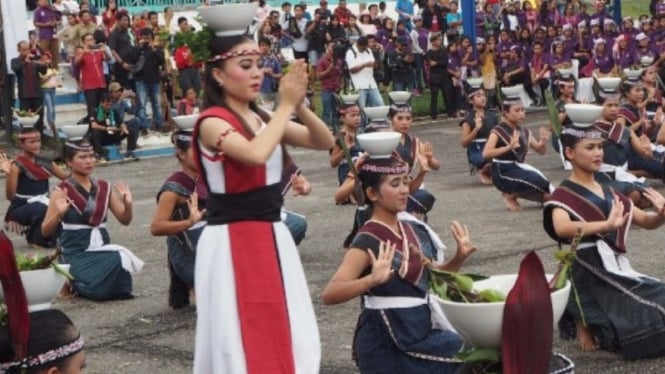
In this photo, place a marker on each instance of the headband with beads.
(47, 357)
(231, 54)
(79, 147)
(401, 168)
(582, 134)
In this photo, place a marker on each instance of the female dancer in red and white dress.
(254, 309)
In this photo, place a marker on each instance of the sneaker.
(130, 156)
(145, 133)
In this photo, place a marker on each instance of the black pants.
(102, 138)
(122, 77)
(92, 100)
(449, 93)
(36, 105)
(523, 78)
(189, 78)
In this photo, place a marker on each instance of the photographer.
(400, 65)
(316, 31)
(90, 60)
(148, 77)
(27, 67)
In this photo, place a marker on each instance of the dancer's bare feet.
(587, 341)
(192, 297)
(484, 177)
(511, 202)
(66, 292)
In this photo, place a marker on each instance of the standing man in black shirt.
(148, 78)
(439, 81)
(122, 43)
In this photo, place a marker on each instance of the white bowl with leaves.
(480, 323)
(42, 279)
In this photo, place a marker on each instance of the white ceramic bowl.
(186, 122)
(474, 82)
(646, 60)
(41, 287)
(566, 72)
(609, 84)
(228, 19)
(632, 74)
(583, 113)
(377, 113)
(27, 122)
(400, 97)
(511, 91)
(379, 144)
(480, 323)
(74, 132)
(349, 98)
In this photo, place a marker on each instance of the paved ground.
(143, 335)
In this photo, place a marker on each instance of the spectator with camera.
(400, 63)
(148, 76)
(90, 63)
(27, 68)
(316, 33)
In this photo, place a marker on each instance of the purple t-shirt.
(660, 8)
(604, 63)
(44, 15)
(626, 59)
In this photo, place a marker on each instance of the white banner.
(14, 26)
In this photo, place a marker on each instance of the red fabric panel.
(262, 308)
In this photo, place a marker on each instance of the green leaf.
(492, 296)
(562, 255)
(553, 113)
(563, 278)
(60, 270)
(465, 283)
(480, 355)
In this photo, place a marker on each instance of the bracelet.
(222, 136)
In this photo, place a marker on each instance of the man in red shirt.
(342, 13)
(89, 60)
(189, 75)
(329, 72)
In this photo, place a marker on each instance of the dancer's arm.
(163, 225)
(219, 136)
(346, 284)
(566, 228)
(314, 134)
(491, 150)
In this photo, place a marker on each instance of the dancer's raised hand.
(617, 217)
(382, 264)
